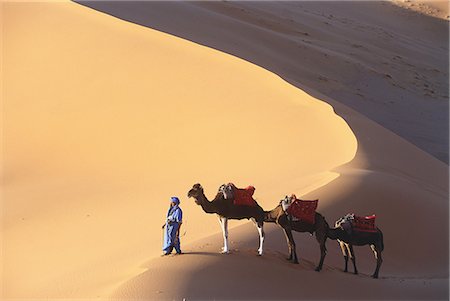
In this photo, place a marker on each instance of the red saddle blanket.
(304, 210)
(364, 223)
(244, 196)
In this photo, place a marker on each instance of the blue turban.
(175, 200)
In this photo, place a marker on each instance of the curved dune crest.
(105, 120)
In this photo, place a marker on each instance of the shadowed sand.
(105, 120)
(202, 273)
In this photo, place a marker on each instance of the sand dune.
(105, 120)
(437, 9)
(387, 63)
(404, 186)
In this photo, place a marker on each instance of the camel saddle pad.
(304, 210)
(244, 196)
(364, 223)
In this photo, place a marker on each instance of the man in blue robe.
(172, 227)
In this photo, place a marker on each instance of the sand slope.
(437, 9)
(386, 62)
(105, 120)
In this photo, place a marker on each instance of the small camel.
(347, 239)
(226, 210)
(320, 228)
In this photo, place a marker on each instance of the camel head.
(338, 231)
(196, 192)
(339, 222)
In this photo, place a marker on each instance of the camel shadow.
(203, 253)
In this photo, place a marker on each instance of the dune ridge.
(387, 63)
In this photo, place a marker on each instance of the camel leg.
(224, 224)
(379, 259)
(288, 244)
(260, 226)
(291, 244)
(352, 257)
(321, 238)
(345, 253)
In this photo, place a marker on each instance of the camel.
(320, 228)
(225, 209)
(347, 240)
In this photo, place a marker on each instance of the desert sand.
(437, 9)
(386, 62)
(104, 120)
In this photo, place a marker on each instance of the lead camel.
(226, 210)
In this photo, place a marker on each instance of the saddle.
(303, 210)
(364, 223)
(240, 196)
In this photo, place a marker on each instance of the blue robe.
(173, 222)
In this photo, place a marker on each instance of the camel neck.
(207, 206)
(334, 233)
(272, 215)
